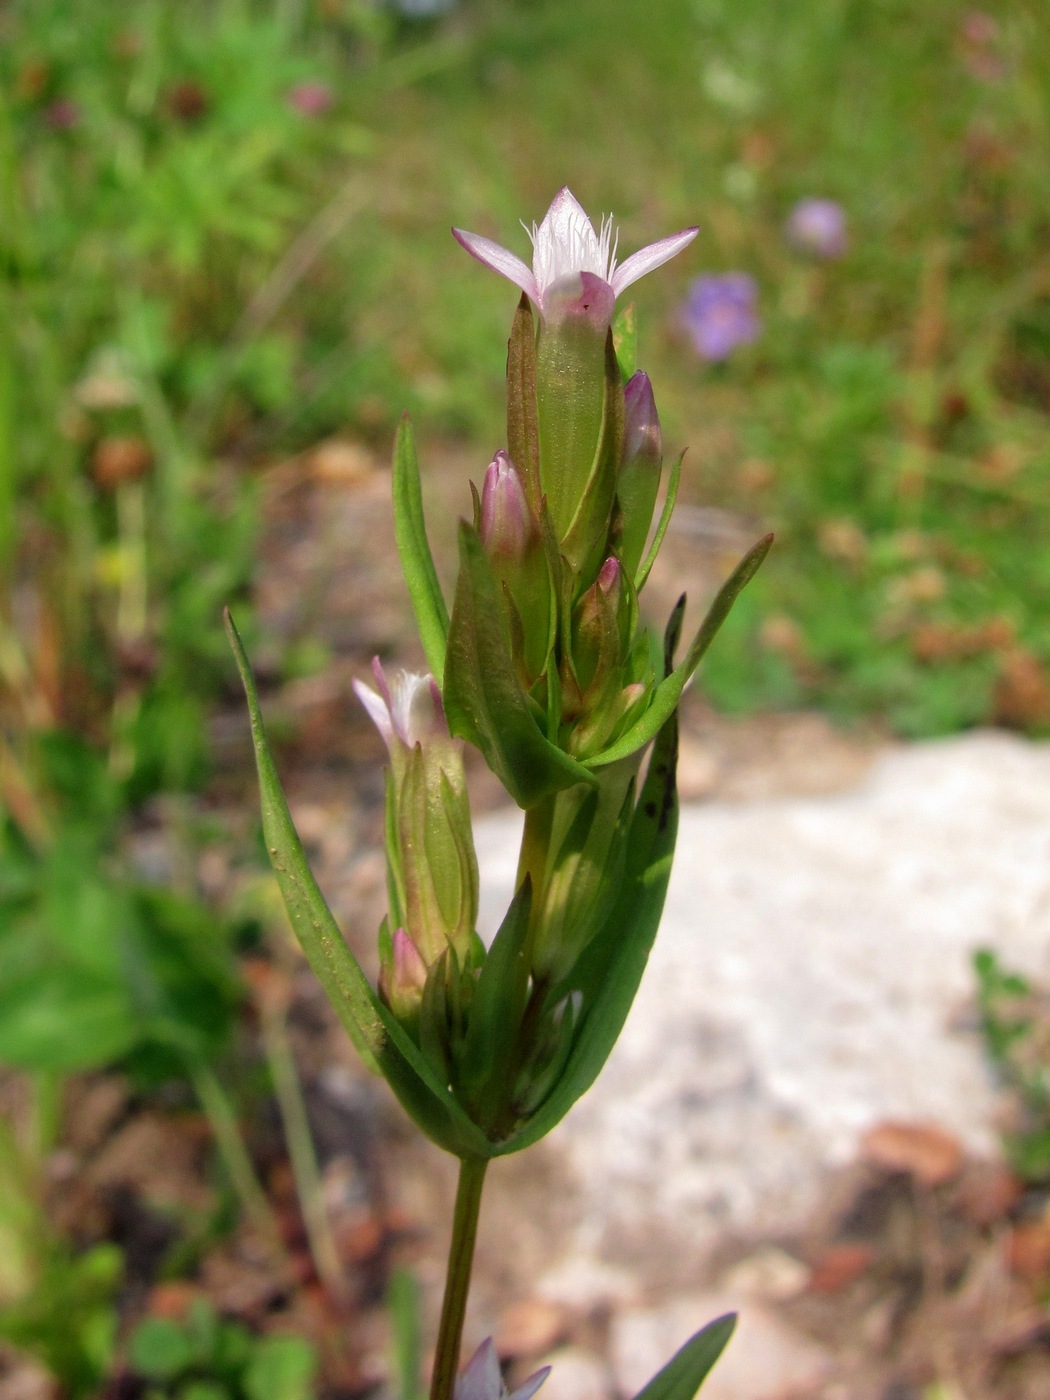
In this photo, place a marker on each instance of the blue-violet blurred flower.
(573, 267)
(482, 1380)
(817, 227)
(719, 314)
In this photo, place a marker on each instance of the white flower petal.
(500, 259)
(646, 259)
(377, 710)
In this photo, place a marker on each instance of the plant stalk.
(457, 1279)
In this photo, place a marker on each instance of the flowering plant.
(542, 664)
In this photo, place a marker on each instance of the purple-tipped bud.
(642, 437)
(639, 479)
(609, 579)
(507, 526)
(402, 979)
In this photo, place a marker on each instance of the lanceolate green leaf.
(484, 702)
(687, 1370)
(670, 498)
(417, 563)
(381, 1042)
(611, 967)
(669, 691)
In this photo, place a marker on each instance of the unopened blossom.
(719, 314)
(507, 526)
(432, 872)
(817, 227)
(574, 266)
(482, 1379)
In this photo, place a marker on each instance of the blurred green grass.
(890, 424)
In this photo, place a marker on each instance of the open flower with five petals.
(574, 267)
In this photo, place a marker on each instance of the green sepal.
(395, 876)
(496, 1009)
(625, 340)
(523, 432)
(585, 867)
(610, 969)
(379, 1039)
(687, 1370)
(571, 407)
(417, 563)
(673, 480)
(669, 691)
(585, 542)
(484, 702)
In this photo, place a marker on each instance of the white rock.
(764, 1360)
(576, 1374)
(811, 977)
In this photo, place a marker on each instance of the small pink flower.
(817, 227)
(573, 267)
(62, 115)
(409, 711)
(312, 99)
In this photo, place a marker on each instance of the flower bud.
(507, 527)
(402, 977)
(596, 636)
(514, 546)
(432, 871)
(639, 477)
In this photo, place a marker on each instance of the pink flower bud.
(609, 578)
(402, 979)
(642, 438)
(507, 527)
(639, 479)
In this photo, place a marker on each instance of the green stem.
(230, 1146)
(535, 847)
(457, 1279)
(305, 1169)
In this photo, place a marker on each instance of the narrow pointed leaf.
(669, 691)
(484, 701)
(610, 970)
(673, 480)
(687, 1370)
(379, 1039)
(417, 563)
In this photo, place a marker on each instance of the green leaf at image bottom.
(687, 1370)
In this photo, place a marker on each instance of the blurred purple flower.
(817, 227)
(62, 114)
(311, 99)
(481, 1378)
(719, 313)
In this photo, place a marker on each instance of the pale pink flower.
(573, 266)
(408, 710)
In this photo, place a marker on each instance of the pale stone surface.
(577, 1374)
(812, 977)
(765, 1359)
